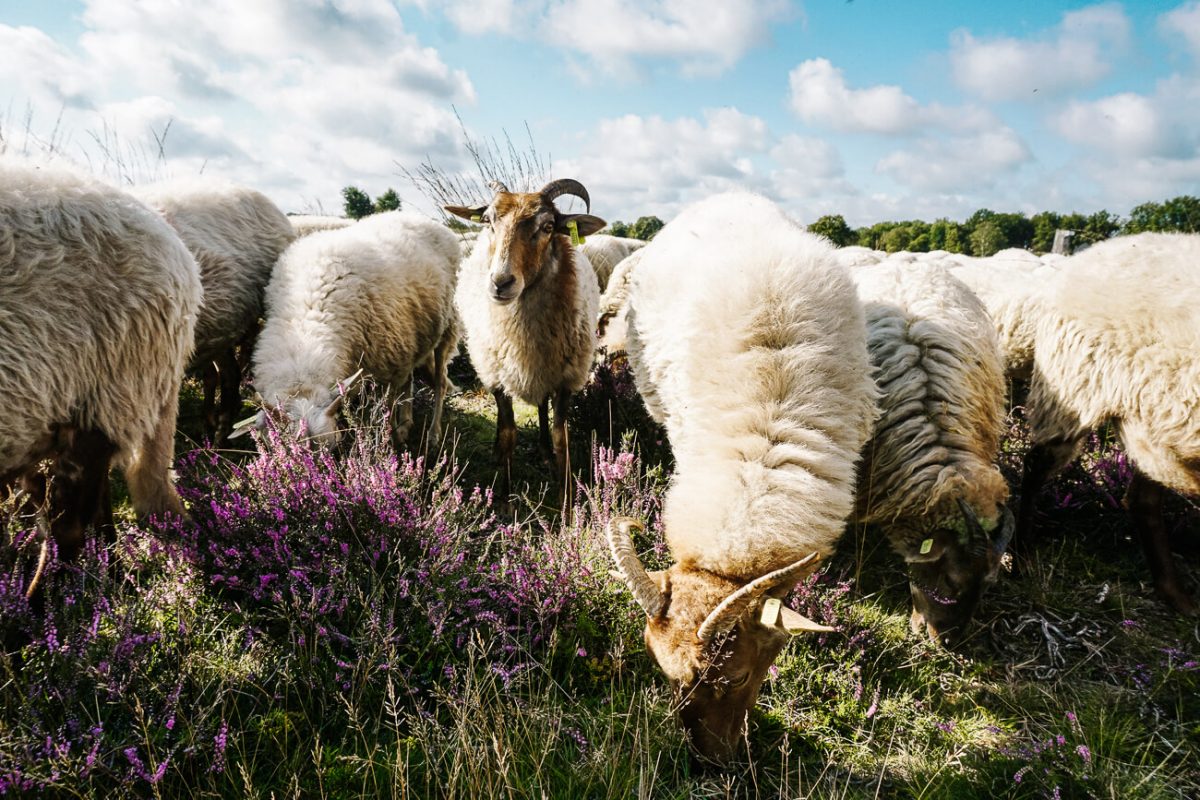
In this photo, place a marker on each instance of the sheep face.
(313, 419)
(714, 638)
(529, 235)
(949, 567)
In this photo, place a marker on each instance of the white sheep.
(1118, 343)
(377, 296)
(98, 303)
(929, 477)
(605, 252)
(304, 224)
(236, 235)
(528, 302)
(612, 329)
(857, 256)
(757, 365)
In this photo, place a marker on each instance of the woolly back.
(1121, 341)
(367, 295)
(942, 388)
(748, 341)
(98, 303)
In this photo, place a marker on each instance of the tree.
(388, 201)
(987, 238)
(1177, 214)
(834, 228)
(1044, 226)
(619, 228)
(645, 228)
(357, 202)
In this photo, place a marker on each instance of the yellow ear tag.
(476, 218)
(926, 546)
(770, 612)
(573, 227)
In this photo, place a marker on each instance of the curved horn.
(645, 590)
(723, 617)
(497, 186)
(1004, 531)
(569, 186)
(977, 536)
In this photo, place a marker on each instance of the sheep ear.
(586, 223)
(472, 214)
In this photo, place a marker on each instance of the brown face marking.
(523, 228)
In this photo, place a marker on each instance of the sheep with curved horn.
(757, 365)
(528, 303)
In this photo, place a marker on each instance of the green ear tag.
(476, 218)
(926, 546)
(573, 227)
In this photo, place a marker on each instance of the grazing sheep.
(928, 477)
(376, 296)
(1118, 343)
(605, 252)
(236, 235)
(757, 364)
(528, 300)
(304, 224)
(98, 303)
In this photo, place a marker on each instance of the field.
(357, 624)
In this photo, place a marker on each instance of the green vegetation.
(357, 203)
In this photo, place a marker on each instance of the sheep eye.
(547, 227)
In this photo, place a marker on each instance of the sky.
(873, 109)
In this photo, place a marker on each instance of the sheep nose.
(504, 283)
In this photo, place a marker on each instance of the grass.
(365, 626)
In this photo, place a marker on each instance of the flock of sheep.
(802, 387)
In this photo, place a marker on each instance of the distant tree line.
(643, 229)
(986, 232)
(357, 203)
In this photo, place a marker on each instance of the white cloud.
(705, 36)
(1184, 22)
(634, 165)
(476, 17)
(322, 92)
(820, 96)
(1165, 124)
(1074, 55)
(956, 163)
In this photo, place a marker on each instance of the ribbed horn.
(725, 615)
(645, 590)
(569, 186)
(497, 186)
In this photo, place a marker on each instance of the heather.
(361, 623)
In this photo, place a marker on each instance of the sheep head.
(714, 638)
(949, 570)
(529, 234)
(313, 414)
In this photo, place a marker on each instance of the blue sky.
(875, 109)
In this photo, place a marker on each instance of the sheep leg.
(403, 410)
(1042, 461)
(208, 407)
(545, 446)
(440, 382)
(562, 456)
(1145, 501)
(149, 471)
(79, 491)
(231, 395)
(506, 441)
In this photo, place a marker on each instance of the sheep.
(757, 365)
(304, 224)
(528, 302)
(98, 306)
(605, 252)
(856, 256)
(1118, 343)
(1014, 293)
(611, 328)
(236, 235)
(928, 476)
(377, 296)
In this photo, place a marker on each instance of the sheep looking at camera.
(528, 300)
(377, 296)
(929, 477)
(757, 365)
(98, 305)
